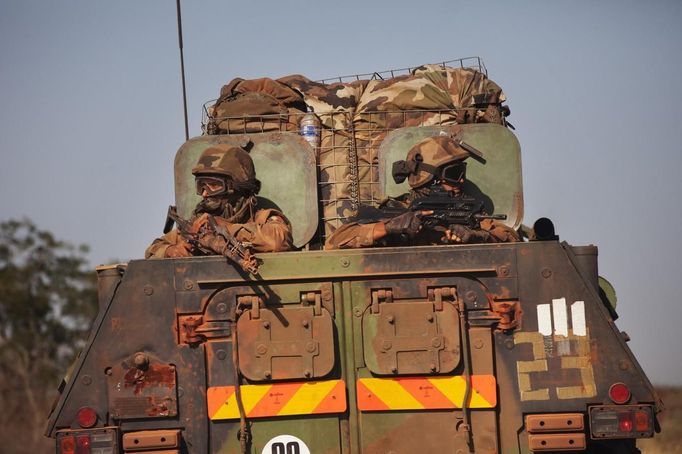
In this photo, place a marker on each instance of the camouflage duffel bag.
(258, 105)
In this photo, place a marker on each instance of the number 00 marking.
(285, 444)
(291, 448)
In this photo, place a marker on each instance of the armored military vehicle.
(507, 347)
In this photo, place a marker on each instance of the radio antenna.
(182, 71)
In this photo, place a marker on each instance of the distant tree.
(48, 298)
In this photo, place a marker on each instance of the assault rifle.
(445, 210)
(234, 250)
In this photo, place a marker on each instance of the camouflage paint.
(181, 314)
(165, 291)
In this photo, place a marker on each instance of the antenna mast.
(182, 71)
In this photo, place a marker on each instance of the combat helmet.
(229, 161)
(425, 158)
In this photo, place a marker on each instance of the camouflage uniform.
(422, 164)
(266, 230)
(269, 231)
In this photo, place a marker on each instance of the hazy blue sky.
(91, 115)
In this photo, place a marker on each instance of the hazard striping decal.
(417, 393)
(277, 399)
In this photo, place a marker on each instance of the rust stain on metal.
(503, 293)
(510, 314)
(188, 329)
(142, 386)
(158, 409)
(154, 375)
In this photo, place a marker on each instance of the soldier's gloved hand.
(181, 249)
(458, 233)
(406, 223)
(199, 222)
(213, 242)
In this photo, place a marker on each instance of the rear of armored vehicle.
(451, 348)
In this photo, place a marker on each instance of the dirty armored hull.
(482, 348)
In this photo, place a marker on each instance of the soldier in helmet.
(226, 180)
(433, 161)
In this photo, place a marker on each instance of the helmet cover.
(226, 160)
(435, 152)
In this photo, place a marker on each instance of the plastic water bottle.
(310, 128)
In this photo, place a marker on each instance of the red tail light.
(625, 422)
(86, 417)
(642, 421)
(621, 421)
(90, 441)
(619, 393)
(83, 444)
(67, 445)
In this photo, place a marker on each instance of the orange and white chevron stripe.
(419, 393)
(277, 399)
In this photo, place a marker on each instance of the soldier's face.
(211, 186)
(453, 188)
(453, 177)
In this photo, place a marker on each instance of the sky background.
(91, 115)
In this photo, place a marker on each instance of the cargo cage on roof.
(465, 62)
(347, 158)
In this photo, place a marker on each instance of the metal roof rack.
(466, 62)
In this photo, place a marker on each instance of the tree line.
(48, 299)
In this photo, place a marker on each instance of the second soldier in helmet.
(435, 160)
(226, 180)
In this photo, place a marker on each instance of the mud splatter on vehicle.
(507, 347)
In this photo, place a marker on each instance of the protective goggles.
(212, 185)
(454, 173)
